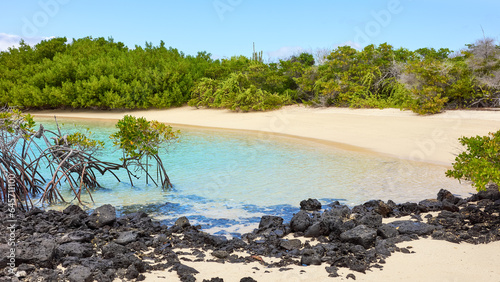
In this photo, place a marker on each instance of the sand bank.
(389, 131)
(433, 260)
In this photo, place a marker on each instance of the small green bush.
(236, 93)
(480, 162)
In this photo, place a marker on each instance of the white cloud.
(8, 40)
(285, 52)
(353, 44)
(12, 40)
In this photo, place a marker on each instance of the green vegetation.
(70, 158)
(141, 139)
(480, 162)
(103, 74)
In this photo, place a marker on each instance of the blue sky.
(229, 27)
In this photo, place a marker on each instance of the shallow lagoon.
(226, 180)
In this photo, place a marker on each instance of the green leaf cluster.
(14, 121)
(236, 93)
(480, 162)
(83, 141)
(138, 137)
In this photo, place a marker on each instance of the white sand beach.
(390, 131)
(402, 134)
(432, 260)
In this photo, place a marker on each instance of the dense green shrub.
(236, 93)
(480, 162)
(101, 73)
(98, 73)
(352, 78)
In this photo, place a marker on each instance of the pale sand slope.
(390, 131)
(433, 260)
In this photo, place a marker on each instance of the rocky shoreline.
(74, 245)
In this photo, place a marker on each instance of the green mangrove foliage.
(101, 73)
(480, 162)
(141, 140)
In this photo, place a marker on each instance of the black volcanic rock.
(445, 195)
(77, 236)
(112, 249)
(73, 209)
(341, 211)
(379, 207)
(408, 208)
(292, 244)
(269, 223)
(310, 205)
(247, 279)
(101, 247)
(316, 229)
(126, 237)
(79, 273)
(387, 231)
(372, 219)
(40, 252)
(103, 215)
(74, 249)
(491, 193)
(300, 221)
(431, 205)
(182, 222)
(360, 235)
(411, 227)
(310, 257)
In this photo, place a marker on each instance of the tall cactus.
(257, 57)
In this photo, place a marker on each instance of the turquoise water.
(226, 180)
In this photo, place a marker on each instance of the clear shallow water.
(227, 180)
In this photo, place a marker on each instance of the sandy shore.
(390, 131)
(432, 260)
(398, 133)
